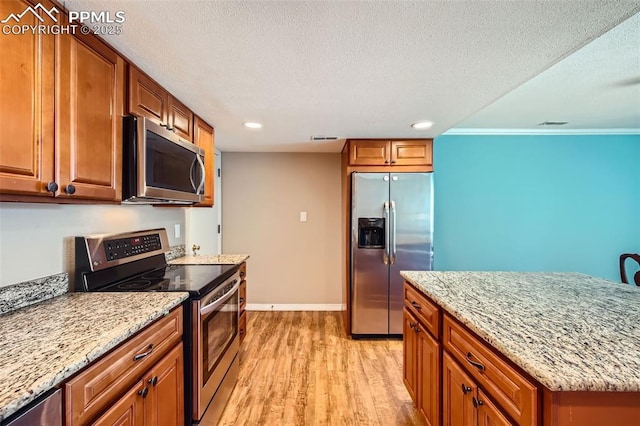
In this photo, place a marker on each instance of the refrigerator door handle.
(385, 256)
(393, 232)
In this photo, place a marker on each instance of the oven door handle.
(207, 309)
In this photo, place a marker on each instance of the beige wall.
(35, 239)
(291, 262)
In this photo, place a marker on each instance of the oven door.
(216, 342)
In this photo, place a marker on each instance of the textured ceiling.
(347, 69)
(598, 87)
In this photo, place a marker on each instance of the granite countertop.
(44, 344)
(569, 331)
(214, 259)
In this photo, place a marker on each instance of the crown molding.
(547, 132)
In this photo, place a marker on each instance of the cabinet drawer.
(425, 311)
(92, 390)
(515, 394)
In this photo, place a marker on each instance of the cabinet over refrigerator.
(391, 230)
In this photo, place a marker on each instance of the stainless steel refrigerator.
(391, 231)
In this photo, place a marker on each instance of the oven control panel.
(131, 246)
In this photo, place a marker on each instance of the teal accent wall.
(536, 203)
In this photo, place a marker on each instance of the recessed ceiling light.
(252, 125)
(421, 125)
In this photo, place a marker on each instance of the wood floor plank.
(297, 368)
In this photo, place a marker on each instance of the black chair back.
(623, 271)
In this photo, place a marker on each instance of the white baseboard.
(295, 307)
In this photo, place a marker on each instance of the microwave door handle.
(193, 185)
(200, 189)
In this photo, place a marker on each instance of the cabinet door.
(89, 106)
(146, 98)
(242, 326)
(410, 353)
(204, 139)
(369, 153)
(488, 412)
(458, 391)
(412, 153)
(165, 403)
(128, 410)
(26, 106)
(180, 119)
(428, 376)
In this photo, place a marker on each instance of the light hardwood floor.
(298, 368)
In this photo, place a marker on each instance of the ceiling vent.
(553, 123)
(324, 138)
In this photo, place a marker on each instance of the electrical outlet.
(176, 230)
(303, 216)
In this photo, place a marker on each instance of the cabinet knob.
(163, 125)
(393, 162)
(476, 402)
(153, 381)
(70, 189)
(465, 389)
(143, 393)
(386, 161)
(52, 187)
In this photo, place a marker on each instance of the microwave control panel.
(132, 246)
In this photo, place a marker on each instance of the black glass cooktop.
(195, 279)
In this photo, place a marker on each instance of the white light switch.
(176, 229)
(303, 216)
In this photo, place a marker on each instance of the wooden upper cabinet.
(369, 153)
(180, 119)
(373, 152)
(89, 109)
(147, 98)
(412, 152)
(62, 103)
(26, 107)
(204, 138)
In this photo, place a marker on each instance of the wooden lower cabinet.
(444, 392)
(242, 313)
(463, 403)
(156, 400)
(488, 412)
(457, 393)
(127, 411)
(140, 382)
(421, 368)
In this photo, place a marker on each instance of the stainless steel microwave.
(159, 167)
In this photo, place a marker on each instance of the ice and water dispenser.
(371, 232)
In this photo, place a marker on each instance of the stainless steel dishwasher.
(45, 411)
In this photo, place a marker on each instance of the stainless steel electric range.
(135, 262)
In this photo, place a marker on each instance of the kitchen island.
(44, 344)
(570, 344)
